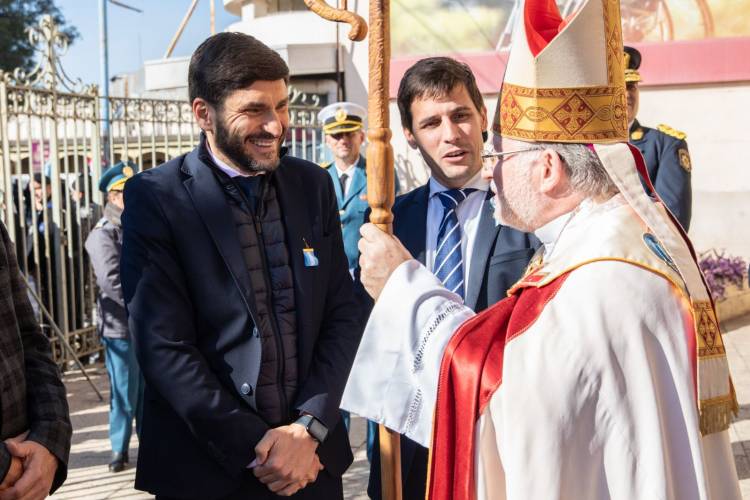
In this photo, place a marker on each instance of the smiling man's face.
(251, 125)
(448, 132)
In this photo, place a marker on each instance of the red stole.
(470, 373)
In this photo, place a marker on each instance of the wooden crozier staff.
(380, 180)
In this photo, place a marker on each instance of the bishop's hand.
(380, 255)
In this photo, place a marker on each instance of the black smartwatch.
(314, 427)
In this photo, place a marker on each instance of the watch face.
(317, 430)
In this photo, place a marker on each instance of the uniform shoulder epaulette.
(326, 164)
(672, 132)
(637, 134)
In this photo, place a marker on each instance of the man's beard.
(232, 145)
(522, 212)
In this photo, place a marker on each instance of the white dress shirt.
(468, 213)
(348, 181)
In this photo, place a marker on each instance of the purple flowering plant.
(721, 270)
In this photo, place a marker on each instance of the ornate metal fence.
(149, 132)
(305, 137)
(49, 142)
(52, 153)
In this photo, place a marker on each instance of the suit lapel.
(358, 182)
(486, 235)
(336, 184)
(410, 224)
(210, 202)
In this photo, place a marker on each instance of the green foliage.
(16, 16)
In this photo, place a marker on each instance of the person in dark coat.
(663, 148)
(104, 246)
(35, 428)
(239, 297)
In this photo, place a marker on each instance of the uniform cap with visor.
(341, 117)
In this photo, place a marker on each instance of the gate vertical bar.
(96, 148)
(60, 285)
(7, 178)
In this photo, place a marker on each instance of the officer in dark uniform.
(663, 148)
(104, 245)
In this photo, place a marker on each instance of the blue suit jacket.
(352, 208)
(190, 302)
(668, 164)
(499, 258)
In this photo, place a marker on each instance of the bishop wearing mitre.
(603, 374)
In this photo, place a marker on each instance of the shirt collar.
(348, 171)
(549, 232)
(475, 182)
(223, 166)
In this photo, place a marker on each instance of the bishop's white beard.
(515, 204)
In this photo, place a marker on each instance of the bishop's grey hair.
(585, 170)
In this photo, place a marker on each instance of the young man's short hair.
(434, 77)
(226, 62)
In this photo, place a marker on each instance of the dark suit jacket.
(500, 256)
(32, 396)
(188, 292)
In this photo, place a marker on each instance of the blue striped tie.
(448, 260)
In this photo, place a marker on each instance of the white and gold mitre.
(565, 79)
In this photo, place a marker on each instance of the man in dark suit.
(239, 297)
(663, 148)
(447, 224)
(35, 426)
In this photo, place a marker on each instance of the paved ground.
(89, 479)
(738, 350)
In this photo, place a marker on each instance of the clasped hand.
(286, 458)
(32, 470)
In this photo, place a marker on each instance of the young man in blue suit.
(239, 297)
(447, 224)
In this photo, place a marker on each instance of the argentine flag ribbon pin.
(311, 260)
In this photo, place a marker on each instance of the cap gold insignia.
(627, 60)
(340, 115)
(685, 159)
(127, 171)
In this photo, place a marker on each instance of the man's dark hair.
(226, 62)
(434, 77)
